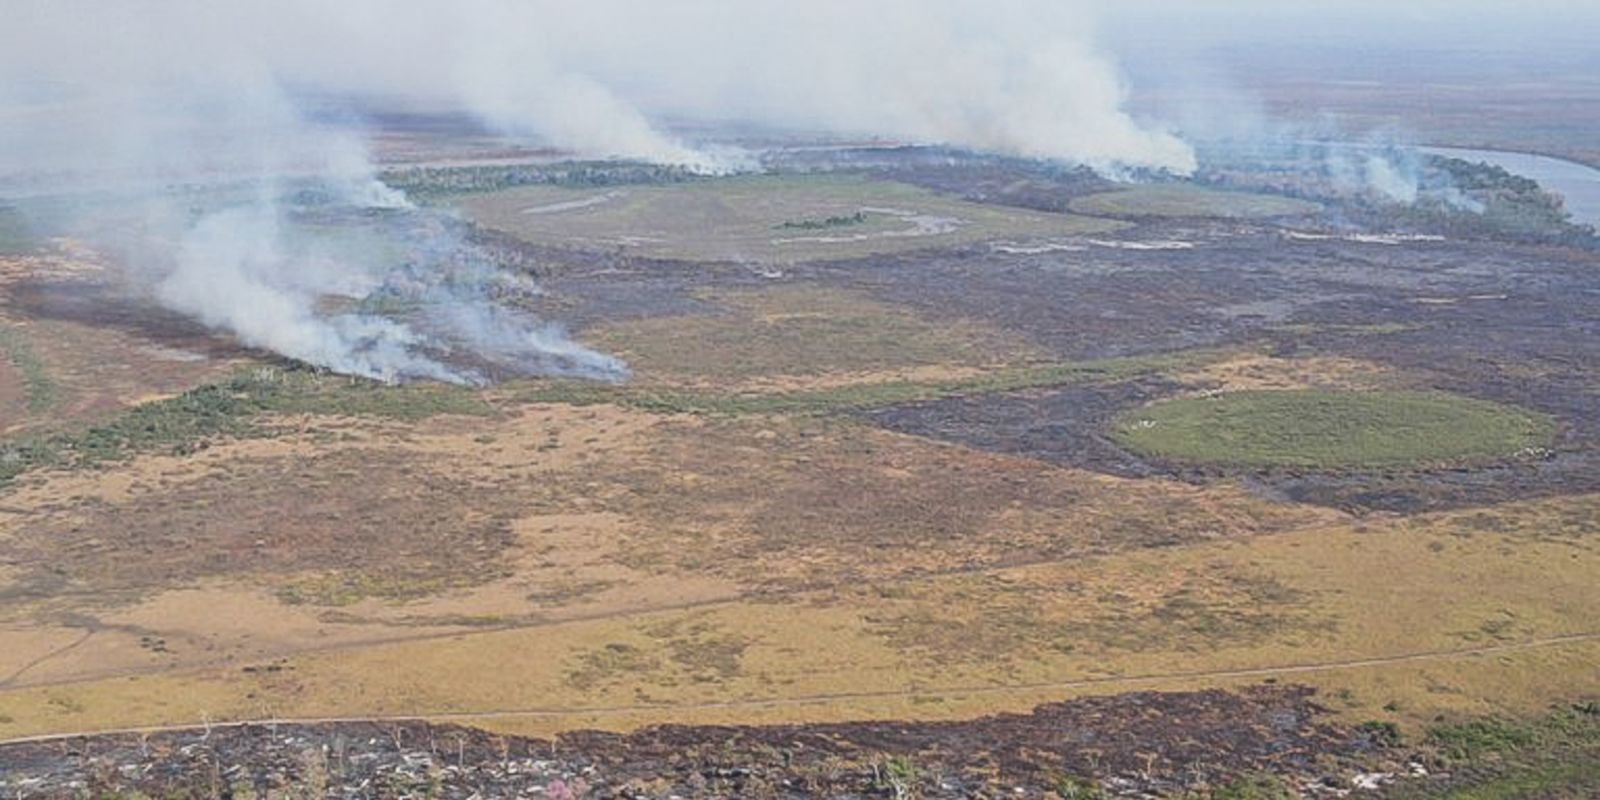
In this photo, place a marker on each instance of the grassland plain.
(1241, 590)
(765, 336)
(1323, 429)
(1312, 605)
(717, 542)
(1188, 200)
(233, 406)
(742, 219)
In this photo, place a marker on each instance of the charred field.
(863, 489)
(1147, 741)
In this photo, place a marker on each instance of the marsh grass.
(1557, 755)
(1332, 429)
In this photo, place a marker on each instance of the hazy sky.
(1035, 77)
(1386, 23)
(1016, 76)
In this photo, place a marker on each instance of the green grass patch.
(1332, 429)
(1550, 781)
(1188, 200)
(1556, 756)
(42, 391)
(231, 408)
(339, 589)
(433, 184)
(838, 221)
(861, 396)
(1257, 786)
(1474, 739)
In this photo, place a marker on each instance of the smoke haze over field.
(135, 96)
(1016, 76)
(142, 94)
(139, 95)
(1479, 25)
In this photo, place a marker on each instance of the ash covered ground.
(1139, 744)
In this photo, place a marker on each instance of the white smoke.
(1231, 128)
(1389, 180)
(151, 98)
(515, 84)
(1013, 76)
(162, 113)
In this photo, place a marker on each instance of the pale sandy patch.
(1261, 372)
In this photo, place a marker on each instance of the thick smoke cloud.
(1015, 76)
(141, 96)
(176, 147)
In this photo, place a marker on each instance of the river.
(1578, 184)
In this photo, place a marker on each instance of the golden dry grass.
(1260, 372)
(602, 565)
(1315, 605)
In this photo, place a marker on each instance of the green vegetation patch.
(1332, 429)
(426, 184)
(839, 221)
(1256, 786)
(42, 391)
(1557, 756)
(343, 588)
(1188, 200)
(231, 408)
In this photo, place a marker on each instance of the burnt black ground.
(1514, 323)
(1134, 743)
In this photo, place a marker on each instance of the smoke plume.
(1015, 76)
(194, 115)
(180, 151)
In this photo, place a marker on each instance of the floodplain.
(885, 453)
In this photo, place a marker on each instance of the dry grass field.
(751, 531)
(603, 565)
